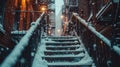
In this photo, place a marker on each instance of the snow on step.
(65, 51)
(86, 61)
(63, 46)
(61, 37)
(49, 42)
(52, 46)
(63, 56)
(68, 64)
(50, 52)
(67, 57)
(60, 48)
(77, 50)
(71, 39)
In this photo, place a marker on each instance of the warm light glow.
(49, 32)
(58, 30)
(43, 8)
(62, 16)
(23, 5)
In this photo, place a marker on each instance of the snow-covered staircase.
(62, 52)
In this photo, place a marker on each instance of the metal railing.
(98, 46)
(23, 52)
(105, 7)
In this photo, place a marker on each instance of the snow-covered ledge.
(19, 32)
(2, 29)
(17, 51)
(93, 30)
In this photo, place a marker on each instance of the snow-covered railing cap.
(12, 58)
(99, 35)
(2, 29)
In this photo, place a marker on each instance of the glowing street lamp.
(43, 8)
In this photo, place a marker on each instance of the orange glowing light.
(43, 8)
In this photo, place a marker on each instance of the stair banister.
(12, 58)
(99, 35)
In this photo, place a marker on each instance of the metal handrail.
(12, 58)
(102, 10)
(99, 35)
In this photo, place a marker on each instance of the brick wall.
(84, 8)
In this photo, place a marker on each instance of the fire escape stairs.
(63, 52)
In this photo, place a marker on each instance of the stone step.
(70, 48)
(61, 37)
(59, 52)
(64, 56)
(72, 39)
(68, 64)
(62, 43)
(62, 47)
(70, 58)
(64, 52)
